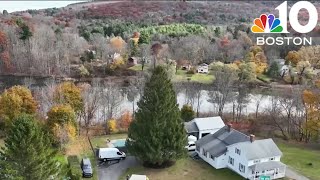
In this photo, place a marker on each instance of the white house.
(250, 158)
(200, 127)
(203, 68)
(284, 70)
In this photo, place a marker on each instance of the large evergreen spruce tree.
(157, 135)
(27, 154)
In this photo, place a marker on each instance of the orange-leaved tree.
(125, 120)
(312, 124)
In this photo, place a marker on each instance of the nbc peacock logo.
(267, 24)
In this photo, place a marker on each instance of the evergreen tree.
(25, 33)
(157, 134)
(27, 154)
(274, 70)
(187, 113)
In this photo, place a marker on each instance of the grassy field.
(185, 169)
(182, 76)
(299, 156)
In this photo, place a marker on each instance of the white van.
(108, 154)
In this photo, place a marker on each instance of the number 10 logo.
(270, 24)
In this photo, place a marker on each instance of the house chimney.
(252, 137)
(229, 127)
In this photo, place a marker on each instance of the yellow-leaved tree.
(69, 93)
(62, 122)
(14, 102)
(257, 56)
(112, 125)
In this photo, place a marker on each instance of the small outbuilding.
(200, 127)
(203, 68)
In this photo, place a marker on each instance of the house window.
(271, 159)
(242, 168)
(204, 152)
(231, 160)
(256, 161)
(212, 157)
(237, 151)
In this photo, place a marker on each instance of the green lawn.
(298, 157)
(264, 78)
(138, 67)
(182, 76)
(185, 169)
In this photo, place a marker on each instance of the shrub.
(187, 113)
(193, 70)
(75, 172)
(83, 71)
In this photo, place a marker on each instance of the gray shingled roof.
(267, 165)
(263, 148)
(216, 144)
(191, 127)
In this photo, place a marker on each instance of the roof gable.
(258, 149)
(216, 144)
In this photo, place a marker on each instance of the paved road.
(114, 171)
(290, 173)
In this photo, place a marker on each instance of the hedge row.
(75, 172)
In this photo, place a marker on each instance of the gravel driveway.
(114, 171)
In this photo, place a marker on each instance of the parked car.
(109, 154)
(191, 146)
(137, 177)
(86, 168)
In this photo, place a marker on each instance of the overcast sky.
(12, 6)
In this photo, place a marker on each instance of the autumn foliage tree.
(117, 43)
(15, 101)
(257, 56)
(293, 57)
(311, 100)
(62, 123)
(4, 52)
(112, 125)
(125, 120)
(69, 93)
